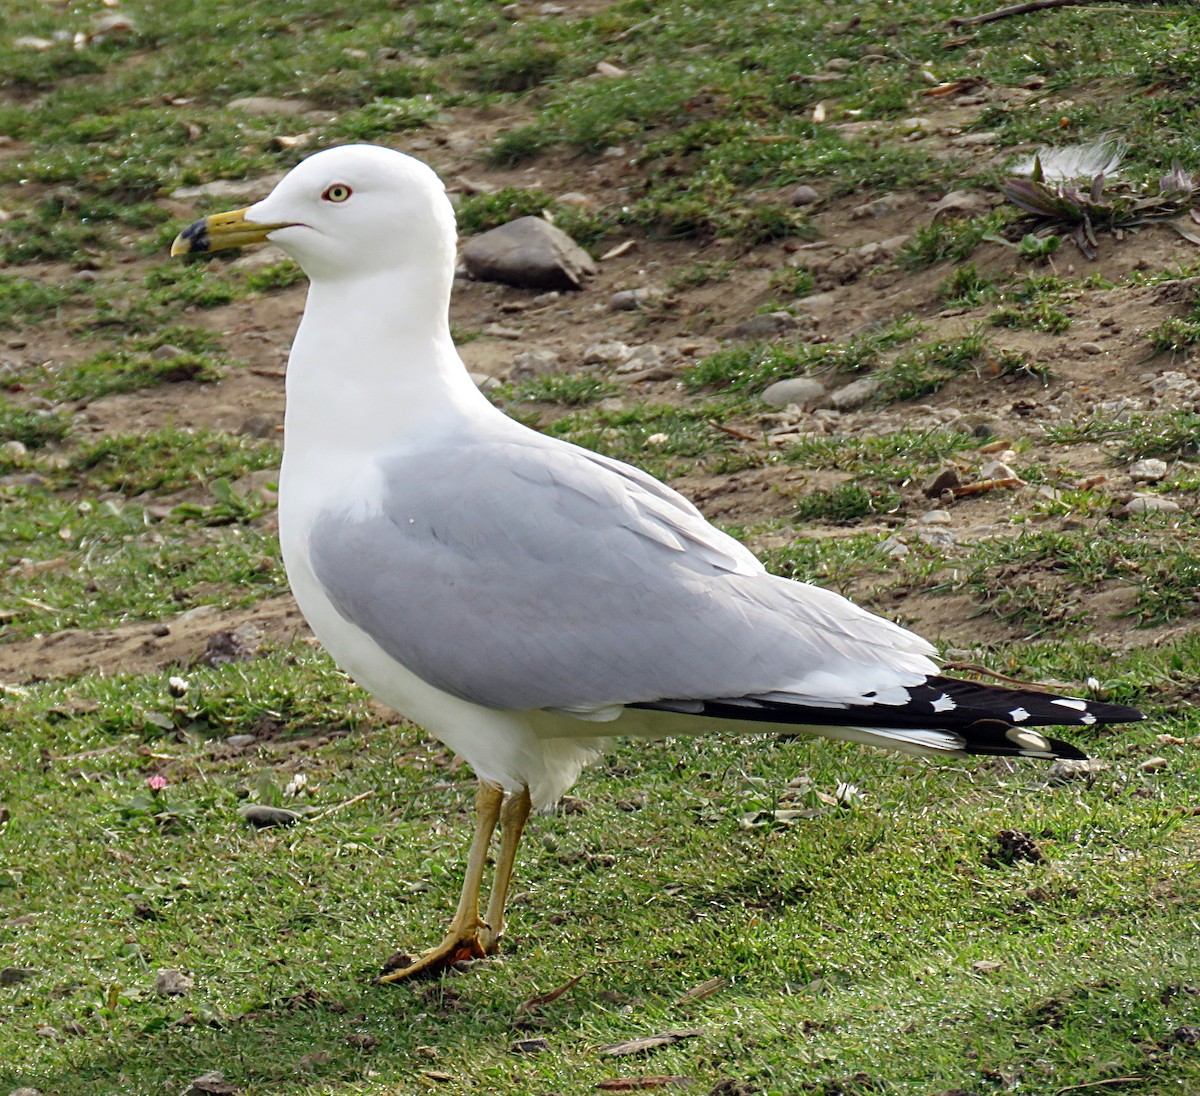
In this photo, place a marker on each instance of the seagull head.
(345, 212)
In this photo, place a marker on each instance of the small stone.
(1149, 504)
(856, 394)
(629, 300)
(528, 253)
(263, 817)
(167, 352)
(240, 740)
(805, 195)
(648, 356)
(997, 470)
(944, 479)
(765, 326)
(575, 198)
(1065, 770)
(936, 517)
(800, 391)
(960, 203)
(484, 382)
(259, 426)
(264, 104)
(31, 42)
(1091, 348)
(114, 24)
(538, 362)
(172, 983)
(212, 1083)
(12, 976)
(14, 450)
(499, 331)
(656, 441)
(1153, 765)
(1150, 470)
(607, 353)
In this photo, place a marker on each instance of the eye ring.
(338, 192)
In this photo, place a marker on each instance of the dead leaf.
(542, 999)
(703, 990)
(650, 1042)
(636, 1084)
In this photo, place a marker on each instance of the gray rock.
(607, 353)
(212, 1083)
(26, 1091)
(172, 983)
(529, 253)
(997, 470)
(1150, 470)
(817, 305)
(630, 300)
(856, 394)
(944, 479)
(801, 391)
(538, 362)
(484, 382)
(239, 740)
(936, 517)
(648, 356)
(1064, 770)
(1091, 348)
(266, 104)
(231, 189)
(11, 976)
(257, 814)
(805, 195)
(1149, 504)
(765, 326)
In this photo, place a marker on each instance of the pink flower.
(156, 783)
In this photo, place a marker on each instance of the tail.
(941, 715)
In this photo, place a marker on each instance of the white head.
(346, 212)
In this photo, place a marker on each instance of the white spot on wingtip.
(944, 704)
(1018, 715)
(1088, 719)
(1027, 739)
(1074, 705)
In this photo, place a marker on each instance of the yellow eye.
(339, 192)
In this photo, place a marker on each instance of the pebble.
(997, 470)
(1064, 770)
(172, 983)
(944, 479)
(266, 104)
(607, 353)
(1150, 504)
(805, 195)
(936, 517)
(1091, 348)
(629, 300)
(484, 382)
(856, 394)
(1150, 470)
(765, 326)
(14, 450)
(257, 814)
(1153, 765)
(26, 1091)
(240, 740)
(798, 391)
(648, 356)
(538, 362)
(960, 203)
(575, 198)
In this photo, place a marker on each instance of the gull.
(524, 599)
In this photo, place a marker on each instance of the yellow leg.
(512, 824)
(462, 940)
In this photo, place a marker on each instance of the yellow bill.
(222, 230)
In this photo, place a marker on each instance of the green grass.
(874, 948)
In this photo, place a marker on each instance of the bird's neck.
(373, 364)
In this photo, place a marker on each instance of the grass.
(877, 947)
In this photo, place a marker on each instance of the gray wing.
(524, 574)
